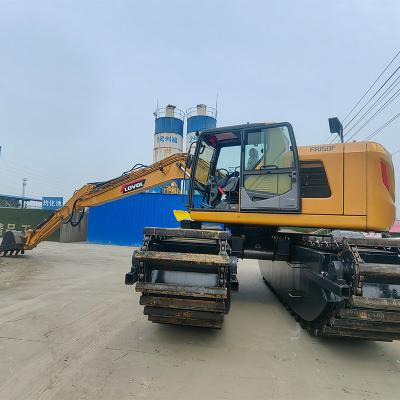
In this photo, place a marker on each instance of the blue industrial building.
(121, 222)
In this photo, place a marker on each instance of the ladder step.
(380, 272)
(187, 233)
(176, 290)
(182, 321)
(375, 303)
(369, 315)
(187, 304)
(183, 314)
(365, 325)
(169, 258)
(358, 334)
(372, 242)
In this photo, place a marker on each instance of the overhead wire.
(386, 104)
(393, 85)
(13, 178)
(363, 96)
(372, 97)
(37, 179)
(32, 171)
(373, 84)
(13, 172)
(32, 190)
(387, 123)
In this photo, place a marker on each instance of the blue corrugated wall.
(121, 222)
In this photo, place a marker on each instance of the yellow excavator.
(268, 200)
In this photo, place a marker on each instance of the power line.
(387, 123)
(363, 96)
(377, 79)
(19, 172)
(391, 99)
(362, 108)
(30, 169)
(393, 85)
(15, 181)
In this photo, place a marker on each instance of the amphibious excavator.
(288, 207)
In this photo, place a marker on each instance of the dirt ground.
(71, 329)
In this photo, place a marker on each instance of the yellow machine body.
(361, 181)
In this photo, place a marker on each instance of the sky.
(79, 81)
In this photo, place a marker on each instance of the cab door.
(270, 169)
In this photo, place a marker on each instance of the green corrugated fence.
(22, 219)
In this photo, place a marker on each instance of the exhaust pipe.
(13, 243)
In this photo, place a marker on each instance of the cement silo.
(199, 118)
(168, 134)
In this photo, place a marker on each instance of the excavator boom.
(135, 181)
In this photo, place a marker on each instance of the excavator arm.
(137, 180)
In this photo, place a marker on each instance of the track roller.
(341, 288)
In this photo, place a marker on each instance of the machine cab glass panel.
(247, 168)
(270, 169)
(217, 171)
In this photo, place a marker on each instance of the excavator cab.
(250, 167)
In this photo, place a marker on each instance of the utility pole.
(24, 181)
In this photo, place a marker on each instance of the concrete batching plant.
(199, 118)
(168, 134)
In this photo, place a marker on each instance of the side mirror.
(189, 160)
(335, 126)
